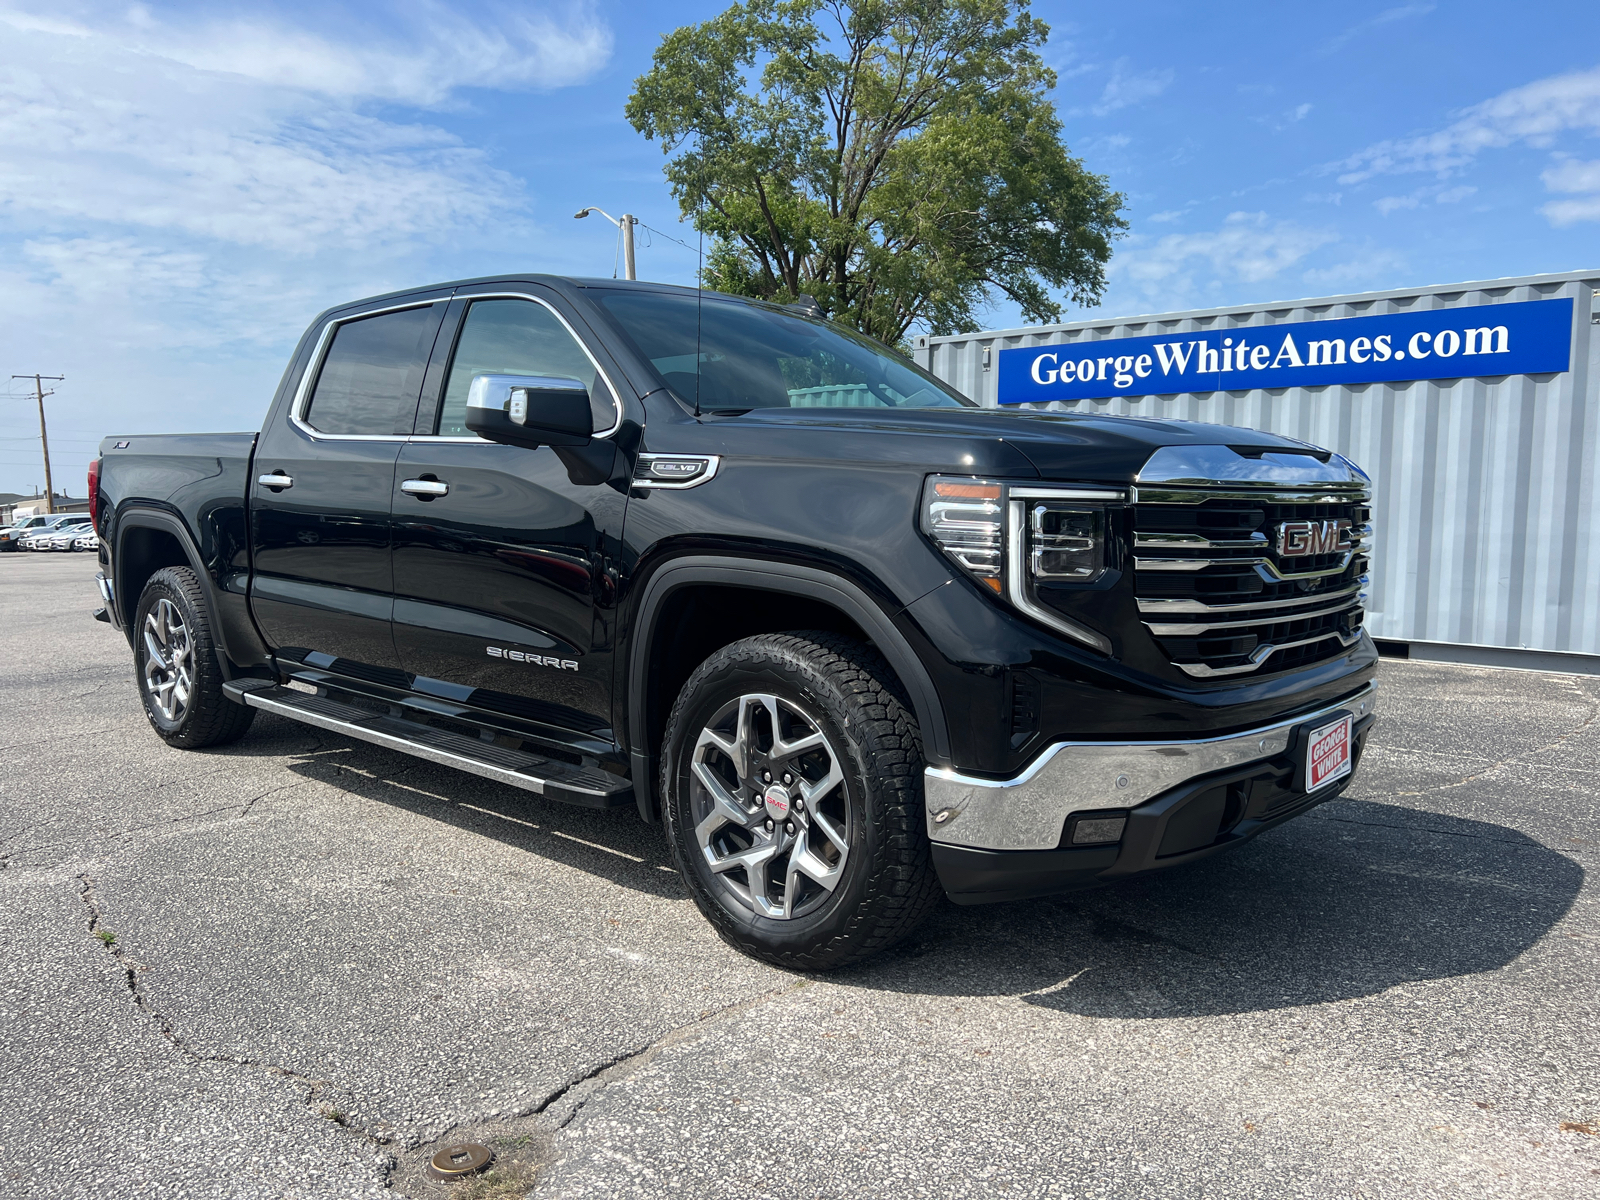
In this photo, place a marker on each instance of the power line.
(669, 237)
(44, 436)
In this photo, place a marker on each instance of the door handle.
(277, 481)
(425, 489)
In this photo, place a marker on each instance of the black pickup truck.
(848, 636)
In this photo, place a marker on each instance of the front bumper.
(1030, 811)
(1002, 839)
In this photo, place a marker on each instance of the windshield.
(760, 356)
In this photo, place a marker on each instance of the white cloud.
(1534, 113)
(1125, 88)
(1248, 248)
(418, 55)
(180, 195)
(1369, 270)
(1573, 176)
(1438, 195)
(1570, 212)
(1389, 204)
(1285, 119)
(1387, 17)
(253, 134)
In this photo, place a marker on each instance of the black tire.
(885, 882)
(205, 717)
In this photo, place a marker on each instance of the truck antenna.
(699, 301)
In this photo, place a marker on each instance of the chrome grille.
(1215, 589)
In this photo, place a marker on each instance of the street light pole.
(44, 436)
(626, 224)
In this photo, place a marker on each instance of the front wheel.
(791, 793)
(176, 660)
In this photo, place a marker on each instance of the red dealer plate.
(1328, 754)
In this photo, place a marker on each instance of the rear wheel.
(180, 680)
(791, 791)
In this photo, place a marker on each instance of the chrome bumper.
(1029, 812)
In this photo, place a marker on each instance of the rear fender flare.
(147, 518)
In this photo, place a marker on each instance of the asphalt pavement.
(296, 966)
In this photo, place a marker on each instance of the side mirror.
(529, 410)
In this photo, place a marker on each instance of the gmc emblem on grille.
(1300, 539)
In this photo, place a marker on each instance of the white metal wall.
(1486, 491)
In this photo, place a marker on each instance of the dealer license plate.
(1328, 753)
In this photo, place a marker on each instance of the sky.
(184, 186)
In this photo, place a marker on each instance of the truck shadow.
(612, 844)
(1350, 900)
(1355, 898)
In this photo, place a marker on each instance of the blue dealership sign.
(1529, 337)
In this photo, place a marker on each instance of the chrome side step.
(588, 786)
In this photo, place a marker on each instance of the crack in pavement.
(580, 1089)
(623, 1065)
(243, 808)
(583, 1087)
(141, 1002)
(1572, 686)
(105, 683)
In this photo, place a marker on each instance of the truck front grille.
(1223, 590)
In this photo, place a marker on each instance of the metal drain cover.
(459, 1161)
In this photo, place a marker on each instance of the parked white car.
(64, 537)
(86, 541)
(70, 525)
(12, 537)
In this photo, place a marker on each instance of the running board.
(549, 777)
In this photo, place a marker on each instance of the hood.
(1065, 446)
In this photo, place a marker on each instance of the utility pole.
(626, 224)
(44, 437)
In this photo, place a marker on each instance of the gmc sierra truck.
(848, 637)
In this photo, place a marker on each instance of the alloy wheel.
(168, 660)
(772, 817)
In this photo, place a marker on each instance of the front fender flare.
(791, 578)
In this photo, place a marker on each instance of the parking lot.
(290, 967)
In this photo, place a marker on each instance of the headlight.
(1066, 544)
(1012, 538)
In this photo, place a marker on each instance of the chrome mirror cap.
(529, 410)
(510, 393)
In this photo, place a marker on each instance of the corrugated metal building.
(1486, 488)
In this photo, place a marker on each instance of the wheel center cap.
(776, 798)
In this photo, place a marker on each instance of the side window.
(517, 337)
(372, 374)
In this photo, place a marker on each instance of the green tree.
(899, 160)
